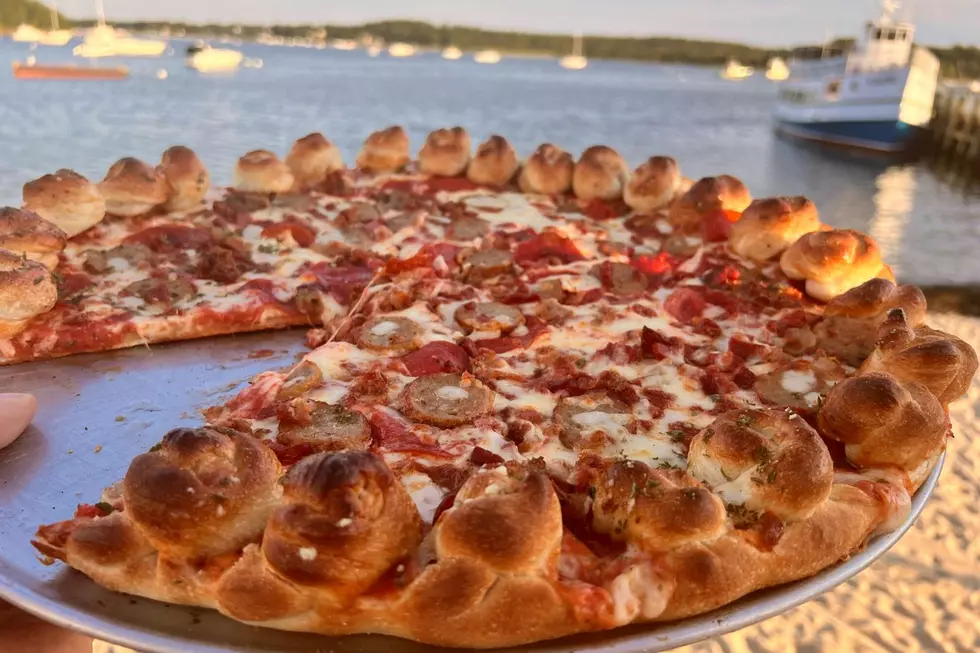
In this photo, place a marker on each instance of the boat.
(486, 56)
(106, 41)
(876, 96)
(343, 44)
(574, 61)
(733, 70)
(69, 71)
(206, 59)
(401, 50)
(777, 70)
(373, 50)
(452, 53)
(30, 34)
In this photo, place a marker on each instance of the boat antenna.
(888, 9)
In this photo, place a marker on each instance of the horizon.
(940, 22)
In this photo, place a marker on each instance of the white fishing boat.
(452, 53)
(733, 70)
(574, 61)
(878, 95)
(777, 70)
(206, 59)
(343, 44)
(106, 41)
(486, 56)
(401, 50)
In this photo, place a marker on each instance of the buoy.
(162, 73)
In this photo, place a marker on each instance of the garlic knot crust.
(600, 173)
(65, 199)
(132, 188)
(653, 184)
(29, 235)
(311, 159)
(833, 262)
(386, 150)
(27, 289)
(494, 164)
(261, 171)
(522, 416)
(708, 195)
(548, 171)
(188, 178)
(770, 226)
(446, 152)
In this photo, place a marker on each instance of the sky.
(760, 22)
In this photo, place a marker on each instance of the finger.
(16, 412)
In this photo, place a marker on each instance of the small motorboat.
(205, 59)
(401, 50)
(777, 70)
(452, 53)
(486, 56)
(733, 70)
(29, 70)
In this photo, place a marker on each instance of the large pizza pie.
(541, 399)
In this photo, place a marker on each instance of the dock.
(953, 139)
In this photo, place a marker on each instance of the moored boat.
(734, 70)
(878, 95)
(452, 53)
(206, 59)
(486, 56)
(401, 50)
(777, 70)
(574, 61)
(36, 71)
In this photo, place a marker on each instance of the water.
(930, 231)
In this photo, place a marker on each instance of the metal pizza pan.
(99, 411)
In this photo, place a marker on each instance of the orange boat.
(34, 71)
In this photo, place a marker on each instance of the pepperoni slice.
(392, 332)
(717, 225)
(581, 417)
(467, 228)
(447, 399)
(170, 238)
(489, 316)
(685, 304)
(656, 346)
(620, 278)
(436, 357)
(302, 233)
(329, 428)
(340, 282)
(488, 263)
(548, 245)
(304, 377)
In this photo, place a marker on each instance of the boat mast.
(577, 45)
(54, 17)
(100, 10)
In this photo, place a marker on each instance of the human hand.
(16, 412)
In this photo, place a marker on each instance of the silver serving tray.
(98, 411)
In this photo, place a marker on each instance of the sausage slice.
(489, 316)
(330, 428)
(581, 417)
(390, 332)
(447, 399)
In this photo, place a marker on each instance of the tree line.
(956, 61)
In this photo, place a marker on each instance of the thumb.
(16, 412)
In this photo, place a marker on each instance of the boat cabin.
(883, 44)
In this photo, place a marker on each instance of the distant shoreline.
(956, 61)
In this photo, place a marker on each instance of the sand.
(924, 594)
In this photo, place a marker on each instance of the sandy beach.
(924, 594)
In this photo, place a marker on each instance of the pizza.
(542, 398)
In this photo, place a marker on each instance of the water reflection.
(894, 200)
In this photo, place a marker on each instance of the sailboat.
(574, 61)
(452, 53)
(31, 34)
(734, 70)
(104, 41)
(777, 70)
